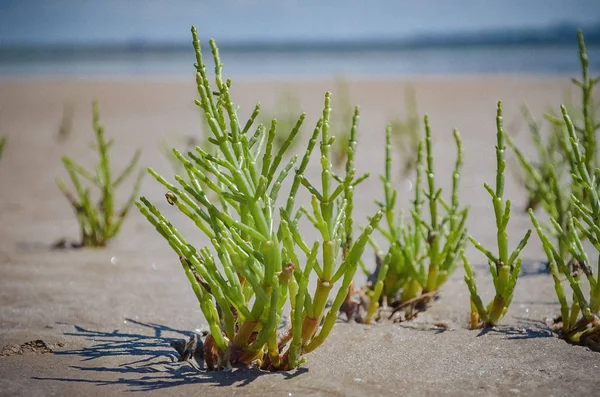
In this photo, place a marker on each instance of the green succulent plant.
(257, 259)
(99, 222)
(504, 267)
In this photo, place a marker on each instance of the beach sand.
(109, 314)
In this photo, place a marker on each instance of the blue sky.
(93, 21)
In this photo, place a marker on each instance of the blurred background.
(451, 59)
(296, 37)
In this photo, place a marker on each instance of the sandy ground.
(110, 314)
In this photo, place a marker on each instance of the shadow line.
(153, 363)
(525, 329)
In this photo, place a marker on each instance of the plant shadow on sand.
(525, 328)
(154, 365)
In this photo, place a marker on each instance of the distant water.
(548, 60)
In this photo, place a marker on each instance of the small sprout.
(2, 145)
(406, 132)
(99, 222)
(65, 128)
(504, 268)
(343, 123)
(286, 114)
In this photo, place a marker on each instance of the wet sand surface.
(109, 314)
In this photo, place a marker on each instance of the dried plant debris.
(37, 346)
(192, 348)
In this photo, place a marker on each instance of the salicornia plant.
(423, 254)
(65, 128)
(2, 145)
(548, 180)
(406, 132)
(251, 268)
(332, 216)
(99, 221)
(342, 117)
(579, 321)
(543, 179)
(286, 113)
(504, 267)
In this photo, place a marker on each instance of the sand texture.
(104, 318)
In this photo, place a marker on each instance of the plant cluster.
(99, 222)
(504, 267)
(548, 180)
(257, 263)
(565, 182)
(260, 270)
(579, 321)
(424, 253)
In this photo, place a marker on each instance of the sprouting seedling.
(286, 113)
(423, 254)
(342, 114)
(406, 132)
(579, 321)
(65, 128)
(504, 268)
(99, 222)
(550, 167)
(251, 268)
(2, 145)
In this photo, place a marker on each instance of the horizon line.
(560, 33)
